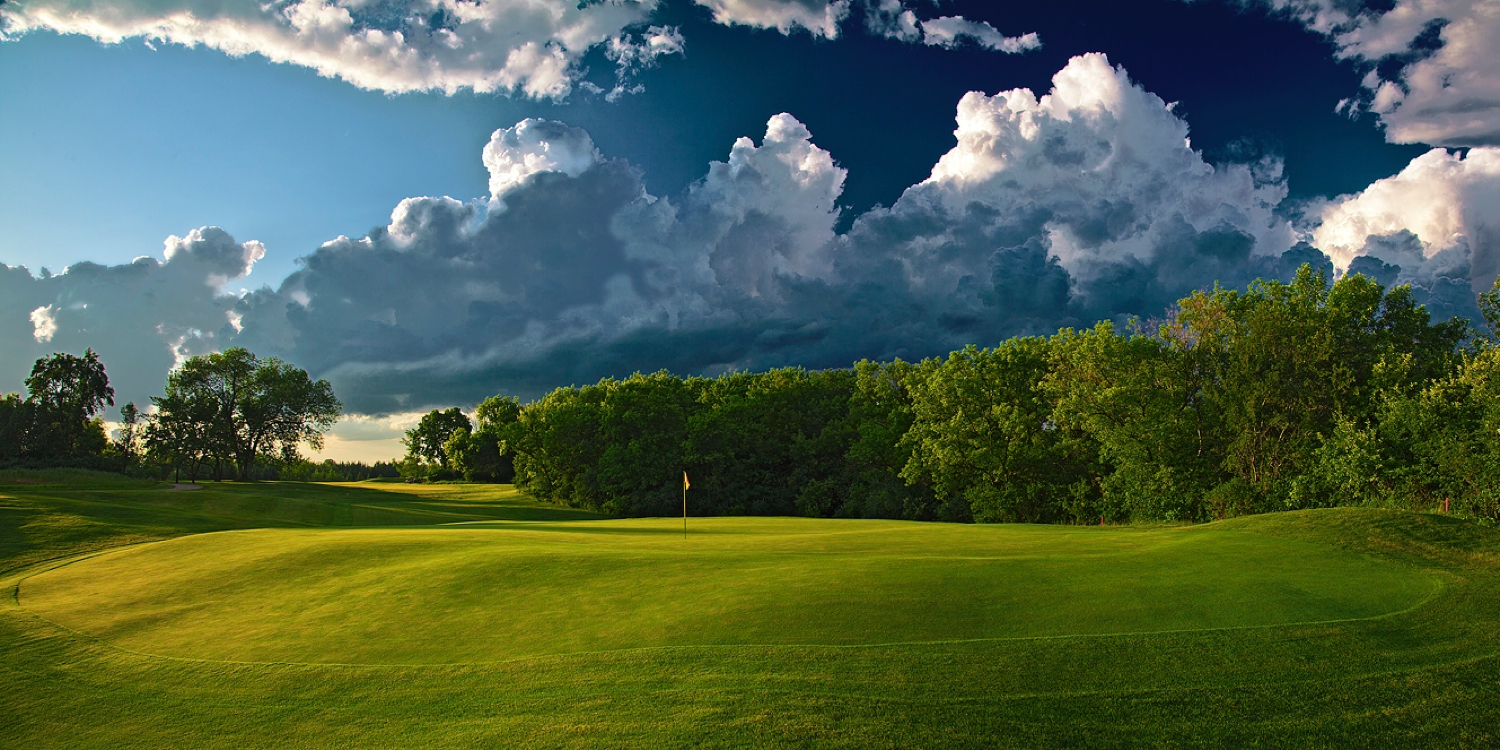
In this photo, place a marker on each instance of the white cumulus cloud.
(817, 17)
(533, 146)
(528, 46)
(1441, 214)
(44, 321)
(1440, 58)
(894, 20)
(1106, 164)
(213, 250)
(788, 182)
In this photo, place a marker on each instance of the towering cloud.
(1435, 225)
(580, 274)
(1092, 187)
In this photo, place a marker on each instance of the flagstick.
(684, 509)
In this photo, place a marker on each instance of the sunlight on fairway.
(476, 593)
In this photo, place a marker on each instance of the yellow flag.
(685, 483)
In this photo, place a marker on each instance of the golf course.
(370, 615)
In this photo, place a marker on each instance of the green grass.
(467, 616)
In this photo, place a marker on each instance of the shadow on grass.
(47, 513)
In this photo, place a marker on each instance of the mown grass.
(1344, 628)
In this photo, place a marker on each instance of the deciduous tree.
(232, 407)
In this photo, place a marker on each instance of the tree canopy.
(58, 420)
(1283, 395)
(229, 409)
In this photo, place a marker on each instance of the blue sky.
(605, 217)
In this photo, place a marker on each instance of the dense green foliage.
(773, 443)
(1317, 629)
(1286, 395)
(445, 444)
(227, 410)
(328, 470)
(58, 421)
(231, 413)
(427, 442)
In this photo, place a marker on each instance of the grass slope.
(466, 594)
(1347, 628)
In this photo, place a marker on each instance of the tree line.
(225, 415)
(1285, 395)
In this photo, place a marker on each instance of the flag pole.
(684, 504)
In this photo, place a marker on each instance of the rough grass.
(1342, 628)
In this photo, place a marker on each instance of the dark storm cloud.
(434, 284)
(569, 277)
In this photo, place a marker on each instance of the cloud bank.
(530, 47)
(1084, 203)
(1431, 64)
(142, 317)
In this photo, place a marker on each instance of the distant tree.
(490, 455)
(179, 435)
(1287, 363)
(1424, 447)
(484, 455)
(302, 470)
(641, 427)
(771, 443)
(232, 408)
(429, 439)
(557, 446)
(66, 394)
(1288, 394)
(1489, 311)
(15, 416)
(129, 435)
(1139, 398)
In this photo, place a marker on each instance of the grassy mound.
(458, 616)
(473, 594)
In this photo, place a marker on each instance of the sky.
(429, 202)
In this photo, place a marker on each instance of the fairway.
(274, 616)
(467, 594)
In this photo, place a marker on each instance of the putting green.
(493, 592)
